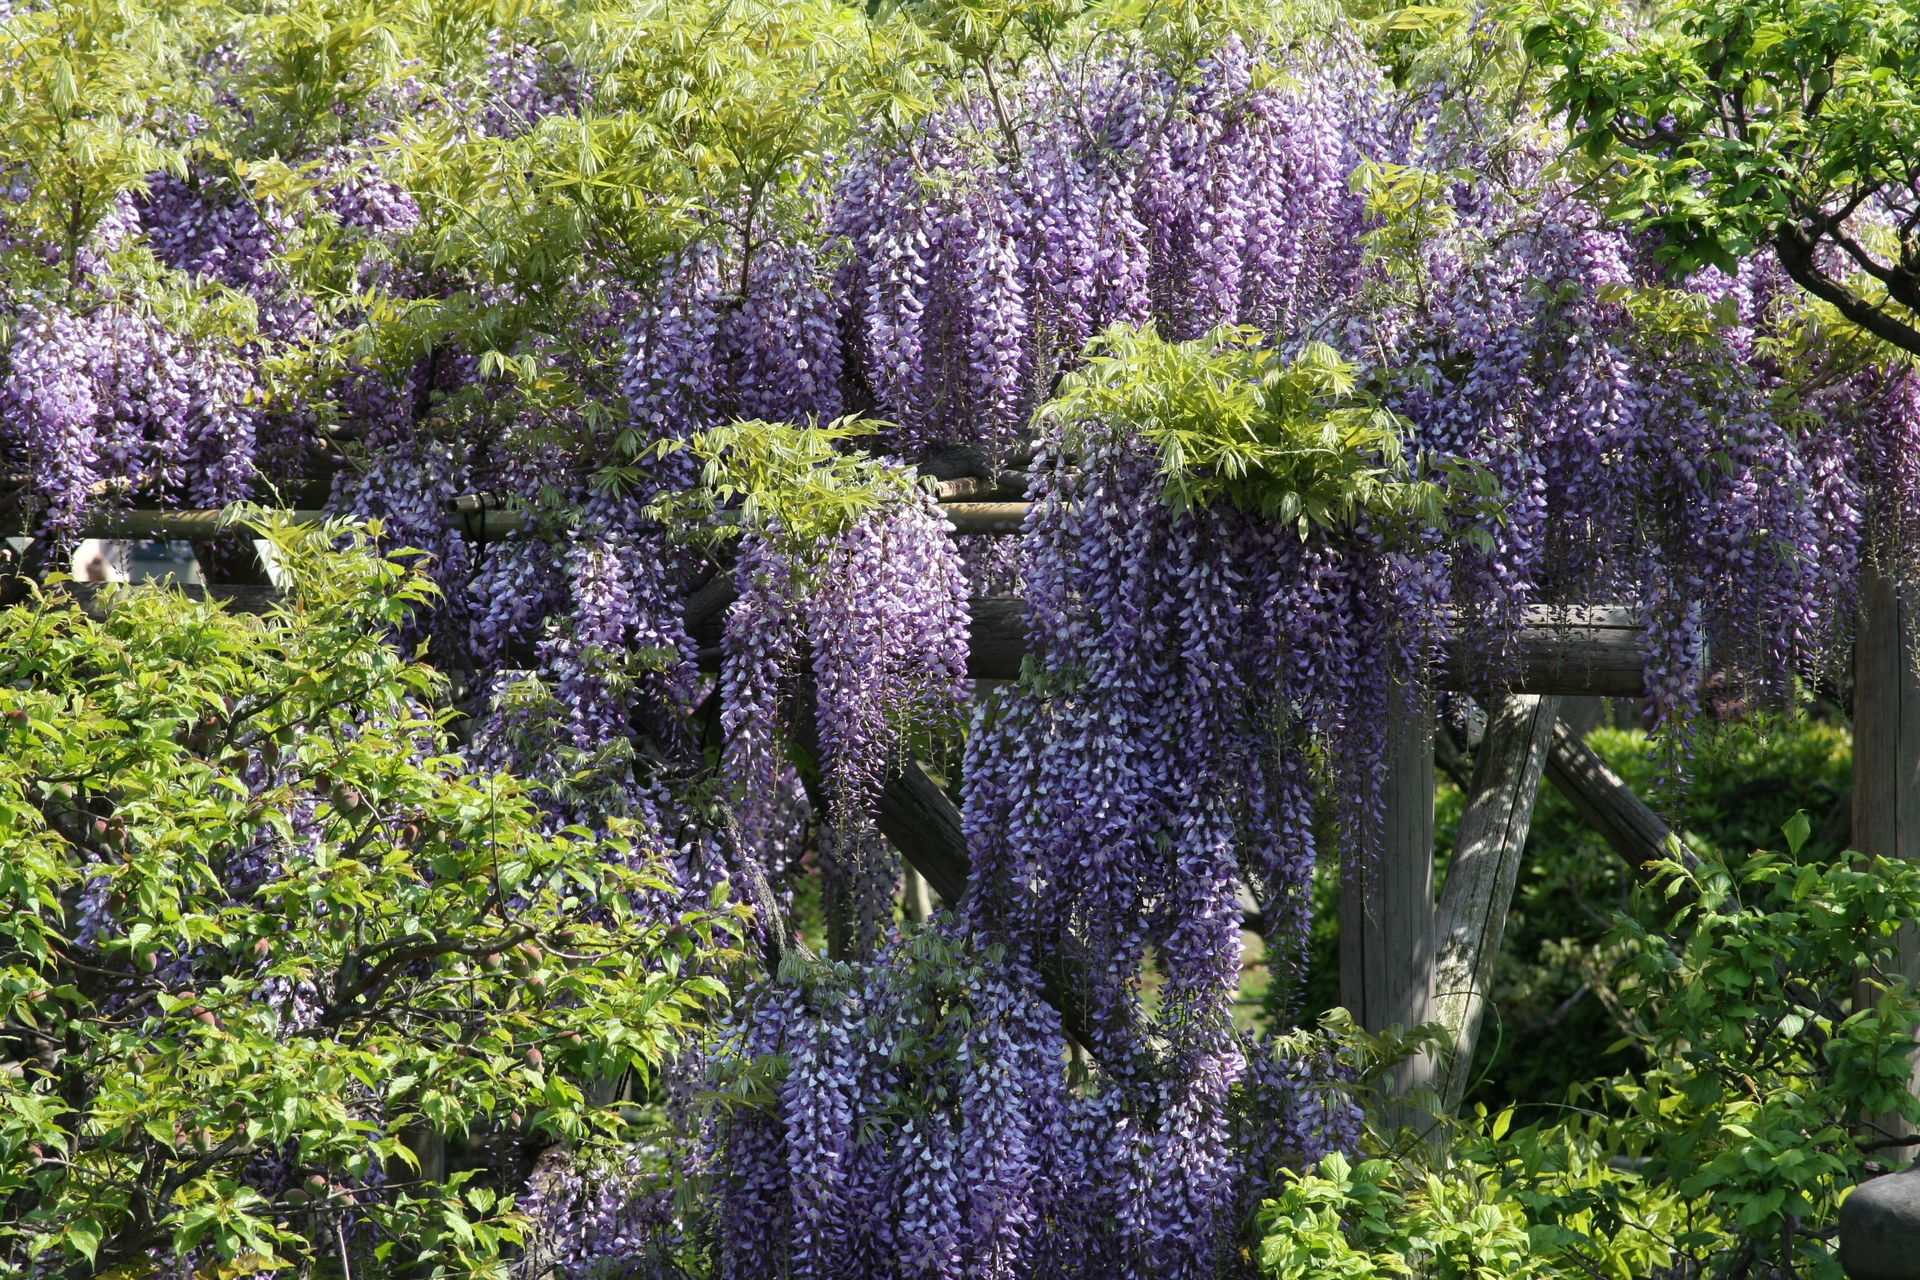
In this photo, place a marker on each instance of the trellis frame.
(1405, 959)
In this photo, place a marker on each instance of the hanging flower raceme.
(1212, 618)
(872, 606)
(1649, 439)
(906, 1116)
(719, 339)
(106, 404)
(984, 250)
(937, 312)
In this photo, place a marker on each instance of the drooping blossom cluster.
(719, 340)
(106, 405)
(911, 1117)
(1187, 668)
(1643, 436)
(984, 255)
(880, 614)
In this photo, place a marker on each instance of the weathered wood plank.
(475, 515)
(924, 825)
(1886, 748)
(1601, 654)
(1582, 649)
(1597, 651)
(1574, 651)
(1001, 518)
(1386, 908)
(1478, 893)
(1609, 806)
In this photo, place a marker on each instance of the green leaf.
(83, 1235)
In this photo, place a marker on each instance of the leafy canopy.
(796, 484)
(1742, 124)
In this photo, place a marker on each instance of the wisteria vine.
(1046, 1079)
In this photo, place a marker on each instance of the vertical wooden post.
(1386, 910)
(1472, 916)
(1886, 740)
(916, 901)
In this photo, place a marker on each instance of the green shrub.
(1779, 1055)
(1552, 1019)
(260, 929)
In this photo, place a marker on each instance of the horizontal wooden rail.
(1581, 650)
(471, 515)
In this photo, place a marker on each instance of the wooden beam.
(1603, 652)
(1578, 649)
(1478, 893)
(1386, 907)
(1002, 518)
(1592, 650)
(925, 826)
(143, 523)
(1610, 807)
(996, 637)
(475, 515)
(1586, 649)
(1886, 749)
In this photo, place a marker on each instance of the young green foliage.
(1235, 420)
(794, 484)
(1729, 1155)
(1357, 1222)
(86, 88)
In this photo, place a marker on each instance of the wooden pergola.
(1405, 957)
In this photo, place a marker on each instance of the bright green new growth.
(1357, 1222)
(329, 937)
(794, 484)
(1235, 420)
